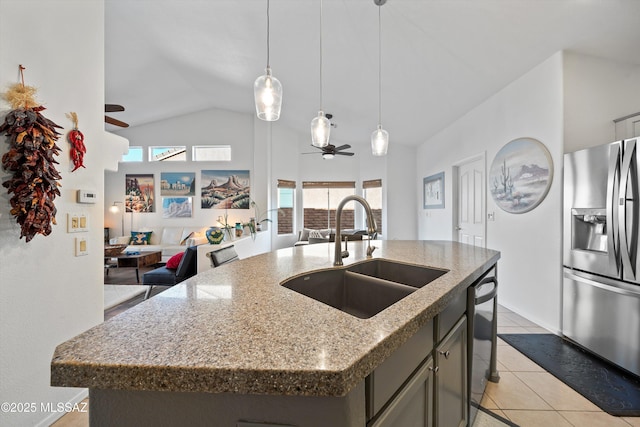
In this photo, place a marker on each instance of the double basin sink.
(363, 289)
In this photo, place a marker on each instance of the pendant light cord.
(268, 34)
(321, 55)
(379, 66)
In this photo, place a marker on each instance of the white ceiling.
(441, 58)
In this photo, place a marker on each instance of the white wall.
(47, 295)
(596, 91)
(401, 221)
(530, 243)
(208, 127)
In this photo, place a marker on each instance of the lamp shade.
(320, 130)
(379, 141)
(267, 92)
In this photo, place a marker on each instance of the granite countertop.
(235, 329)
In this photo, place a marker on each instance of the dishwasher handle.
(489, 296)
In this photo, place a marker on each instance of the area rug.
(605, 385)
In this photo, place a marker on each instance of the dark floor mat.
(610, 388)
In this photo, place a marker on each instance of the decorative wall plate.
(521, 175)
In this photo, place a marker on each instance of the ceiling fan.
(330, 151)
(114, 108)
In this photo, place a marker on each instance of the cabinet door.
(451, 378)
(413, 406)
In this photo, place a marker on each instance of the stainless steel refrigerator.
(601, 286)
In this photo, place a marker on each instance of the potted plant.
(255, 224)
(228, 228)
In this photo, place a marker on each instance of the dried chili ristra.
(34, 182)
(76, 139)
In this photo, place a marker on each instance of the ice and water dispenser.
(589, 230)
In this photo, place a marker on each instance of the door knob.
(458, 228)
(446, 354)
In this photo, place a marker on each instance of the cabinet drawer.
(393, 372)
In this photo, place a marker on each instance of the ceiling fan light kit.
(267, 90)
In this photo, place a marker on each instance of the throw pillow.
(316, 234)
(140, 237)
(174, 261)
(304, 234)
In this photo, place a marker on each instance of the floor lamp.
(115, 209)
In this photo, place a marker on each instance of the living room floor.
(526, 395)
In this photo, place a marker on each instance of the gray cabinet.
(451, 378)
(423, 386)
(413, 405)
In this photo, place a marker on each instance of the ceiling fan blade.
(311, 153)
(115, 122)
(340, 153)
(342, 147)
(112, 108)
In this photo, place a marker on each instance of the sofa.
(168, 240)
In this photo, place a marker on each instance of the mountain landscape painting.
(520, 175)
(225, 189)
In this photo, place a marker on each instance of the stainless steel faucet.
(371, 227)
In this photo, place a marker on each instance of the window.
(134, 155)
(320, 201)
(211, 153)
(286, 206)
(372, 192)
(168, 154)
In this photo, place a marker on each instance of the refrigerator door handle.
(629, 272)
(601, 285)
(613, 182)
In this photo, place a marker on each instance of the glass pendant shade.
(320, 130)
(379, 141)
(267, 92)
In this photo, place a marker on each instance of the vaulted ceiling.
(441, 58)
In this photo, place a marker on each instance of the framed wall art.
(521, 175)
(433, 191)
(225, 189)
(177, 184)
(139, 193)
(176, 207)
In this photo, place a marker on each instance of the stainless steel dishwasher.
(482, 311)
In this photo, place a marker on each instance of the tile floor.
(529, 396)
(526, 394)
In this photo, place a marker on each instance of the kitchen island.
(232, 344)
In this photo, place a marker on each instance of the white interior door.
(471, 202)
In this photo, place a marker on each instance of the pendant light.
(267, 90)
(320, 125)
(379, 137)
